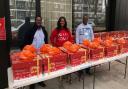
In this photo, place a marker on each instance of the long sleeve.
(92, 34)
(53, 37)
(27, 38)
(70, 36)
(77, 35)
(21, 37)
(46, 35)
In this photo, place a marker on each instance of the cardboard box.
(96, 54)
(121, 34)
(54, 63)
(26, 69)
(126, 33)
(104, 35)
(59, 61)
(45, 65)
(126, 39)
(111, 51)
(78, 57)
(97, 35)
(113, 34)
(122, 48)
(20, 73)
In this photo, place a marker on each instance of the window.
(20, 9)
(95, 11)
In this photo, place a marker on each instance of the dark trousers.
(32, 86)
(87, 70)
(80, 73)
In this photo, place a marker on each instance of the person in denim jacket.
(84, 31)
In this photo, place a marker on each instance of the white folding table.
(13, 84)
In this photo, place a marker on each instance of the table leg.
(61, 86)
(125, 68)
(94, 77)
(109, 66)
(70, 78)
(21, 88)
(83, 79)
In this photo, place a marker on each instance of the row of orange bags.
(29, 63)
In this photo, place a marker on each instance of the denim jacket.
(84, 32)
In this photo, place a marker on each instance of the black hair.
(59, 25)
(86, 16)
(37, 17)
(27, 19)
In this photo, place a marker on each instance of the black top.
(30, 35)
(22, 31)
